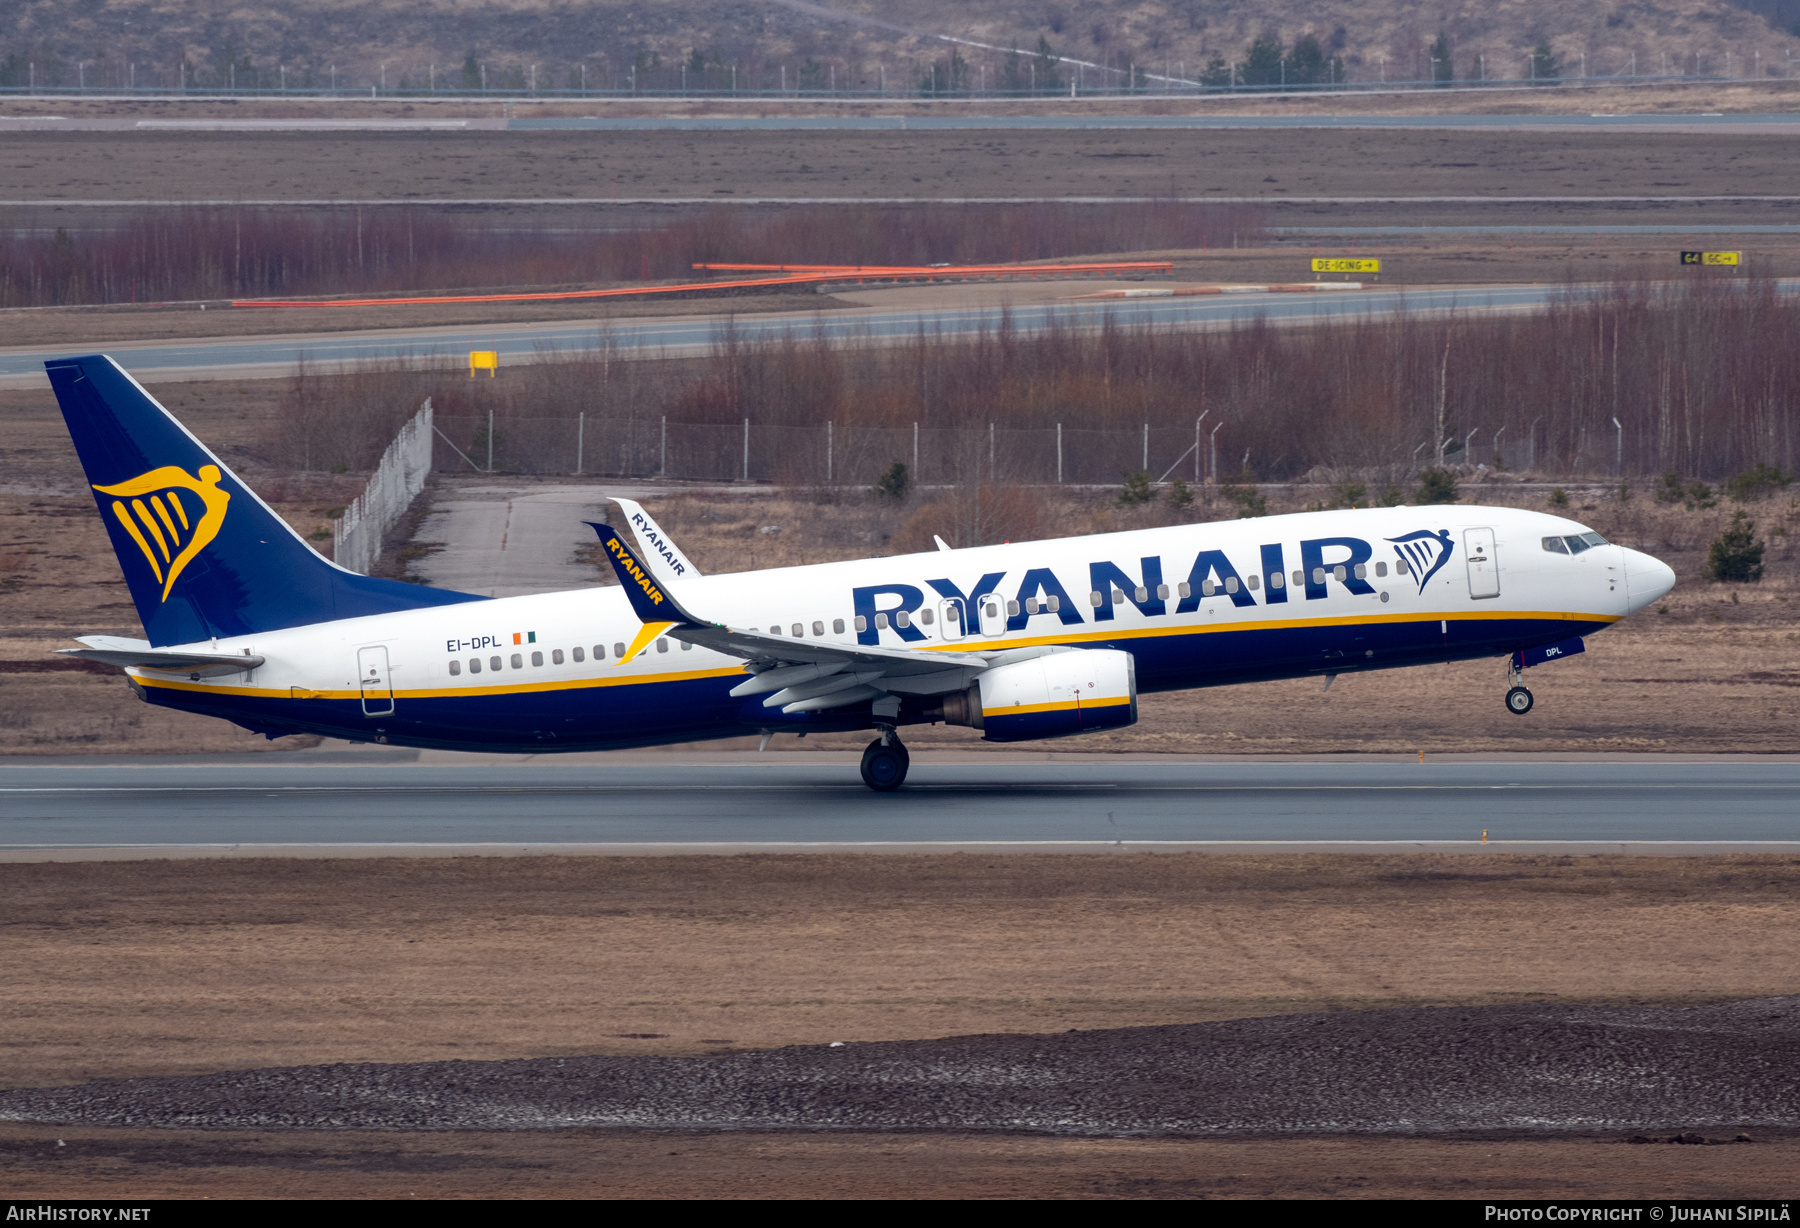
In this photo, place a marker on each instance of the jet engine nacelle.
(1049, 697)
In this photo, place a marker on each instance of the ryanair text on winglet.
(637, 573)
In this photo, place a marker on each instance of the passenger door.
(1484, 574)
(992, 612)
(372, 677)
(950, 620)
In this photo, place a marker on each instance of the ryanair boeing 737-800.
(1026, 640)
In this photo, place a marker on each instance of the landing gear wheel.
(884, 766)
(1518, 701)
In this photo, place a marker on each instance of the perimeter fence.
(833, 454)
(356, 535)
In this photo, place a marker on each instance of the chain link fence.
(831, 455)
(356, 535)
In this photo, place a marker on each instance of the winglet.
(649, 601)
(656, 542)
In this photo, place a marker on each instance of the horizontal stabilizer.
(137, 654)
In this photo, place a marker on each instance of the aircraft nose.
(1647, 580)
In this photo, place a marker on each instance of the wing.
(805, 675)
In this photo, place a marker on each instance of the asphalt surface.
(275, 356)
(1709, 1072)
(747, 801)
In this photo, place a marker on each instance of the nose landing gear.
(1518, 699)
(885, 761)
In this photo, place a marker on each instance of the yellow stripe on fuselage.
(1089, 636)
(526, 688)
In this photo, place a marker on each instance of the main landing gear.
(885, 761)
(1518, 699)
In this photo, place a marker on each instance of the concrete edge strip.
(1560, 848)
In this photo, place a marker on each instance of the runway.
(276, 356)
(401, 801)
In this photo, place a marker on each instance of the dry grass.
(124, 968)
(1485, 162)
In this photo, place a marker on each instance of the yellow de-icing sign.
(484, 360)
(1712, 257)
(1334, 264)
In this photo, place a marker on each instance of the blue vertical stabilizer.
(202, 554)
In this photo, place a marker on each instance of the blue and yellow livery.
(244, 621)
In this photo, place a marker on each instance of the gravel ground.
(1420, 1071)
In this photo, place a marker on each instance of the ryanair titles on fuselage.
(1041, 594)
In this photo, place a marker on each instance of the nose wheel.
(884, 763)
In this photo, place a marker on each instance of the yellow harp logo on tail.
(170, 515)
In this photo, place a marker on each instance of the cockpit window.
(1575, 543)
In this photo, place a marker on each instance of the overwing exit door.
(1484, 575)
(372, 675)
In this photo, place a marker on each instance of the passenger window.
(474, 665)
(902, 619)
(837, 626)
(1380, 570)
(686, 647)
(618, 650)
(1055, 604)
(799, 630)
(1162, 592)
(537, 658)
(818, 628)
(518, 661)
(1338, 573)
(1118, 596)
(580, 655)
(1012, 609)
(1095, 598)
(1031, 605)
(556, 657)
(1185, 589)
(1556, 545)
(1143, 594)
(774, 630)
(881, 622)
(1300, 578)
(1231, 584)
(1402, 567)
(494, 664)
(1362, 571)
(455, 668)
(1277, 580)
(925, 616)
(1252, 581)
(1208, 588)
(862, 622)
(662, 645)
(600, 651)
(1318, 575)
